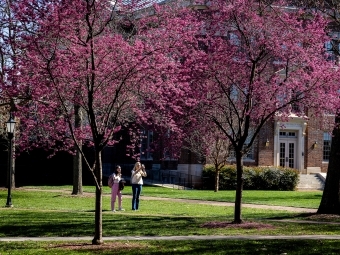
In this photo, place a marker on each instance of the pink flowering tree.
(208, 143)
(330, 202)
(263, 61)
(9, 52)
(113, 63)
(7, 60)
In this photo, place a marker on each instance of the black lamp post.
(10, 131)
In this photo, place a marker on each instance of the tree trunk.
(77, 174)
(98, 234)
(330, 198)
(77, 159)
(217, 179)
(239, 188)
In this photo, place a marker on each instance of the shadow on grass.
(34, 224)
(245, 247)
(22, 223)
(294, 216)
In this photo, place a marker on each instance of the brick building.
(303, 144)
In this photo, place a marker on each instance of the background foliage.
(255, 178)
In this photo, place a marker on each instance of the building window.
(333, 47)
(247, 156)
(234, 39)
(327, 140)
(287, 134)
(250, 153)
(146, 142)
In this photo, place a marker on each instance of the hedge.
(255, 178)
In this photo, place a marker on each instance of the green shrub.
(228, 178)
(255, 178)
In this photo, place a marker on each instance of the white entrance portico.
(289, 138)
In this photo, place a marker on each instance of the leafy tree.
(9, 30)
(263, 61)
(106, 59)
(330, 202)
(209, 145)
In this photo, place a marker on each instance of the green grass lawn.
(305, 199)
(52, 211)
(216, 247)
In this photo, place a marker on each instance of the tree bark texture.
(77, 159)
(239, 188)
(98, 235)
(330, 203)
(77, 174)
(217, 179)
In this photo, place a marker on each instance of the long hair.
(136, 164)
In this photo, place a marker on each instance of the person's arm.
(144, 174)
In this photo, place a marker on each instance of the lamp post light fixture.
(10, 132)
(267, 143)
(315, 144)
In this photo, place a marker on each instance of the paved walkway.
(215, 203)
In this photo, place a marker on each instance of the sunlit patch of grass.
(50, 212)
(307, 199)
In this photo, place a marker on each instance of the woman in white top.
(115, 191)
(137, 174)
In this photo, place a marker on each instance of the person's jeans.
(136, 190)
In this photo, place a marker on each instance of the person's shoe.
(121, 209)
(113, 210)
